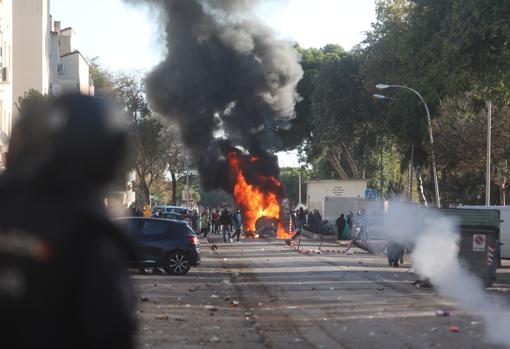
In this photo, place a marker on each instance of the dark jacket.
(63, 276)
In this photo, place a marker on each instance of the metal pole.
(488, 168)
(432, 154)
(411, 174)
(381, 174)
(300, 204)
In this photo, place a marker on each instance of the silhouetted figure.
(63, 276)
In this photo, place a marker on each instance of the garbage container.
(479, 240)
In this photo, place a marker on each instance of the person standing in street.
(339, 226)
(237, 219)
(226, 222)
(63, 267)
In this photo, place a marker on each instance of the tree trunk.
(419, 181)
(174, 187)
(351, 162)
(145, 192)
(332, 159)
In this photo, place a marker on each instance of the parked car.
(167, 209)
(162, 243)
(175, 216)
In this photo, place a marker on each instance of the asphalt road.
(262, 294)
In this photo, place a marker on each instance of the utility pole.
(488, 168)
(300, 169)
(381, 169)
(411, 162)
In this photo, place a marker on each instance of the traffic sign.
(479, 242)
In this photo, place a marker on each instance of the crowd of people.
(215, 221)
(311, 219)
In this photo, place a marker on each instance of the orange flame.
(253, 202)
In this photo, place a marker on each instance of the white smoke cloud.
(435, 257)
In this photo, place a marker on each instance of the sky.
(128, 37)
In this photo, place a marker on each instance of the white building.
(47, 59)
(332, 197)
(31, 51)
(69, 69)
(6, 64)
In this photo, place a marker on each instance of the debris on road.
(214, 247)
(214, 339)
(433, 329)
(234, 304)
(210, 308)
(162, 317)
(214, 296)
(192, 290)
(144, 299)
(454, 329)
(442, 312)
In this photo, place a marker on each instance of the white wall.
(31, 52)
(318, 190)
(76, 75)
(6, 61)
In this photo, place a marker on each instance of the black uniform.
(63, 277)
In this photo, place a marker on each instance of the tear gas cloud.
(435, 256)
(225, 71)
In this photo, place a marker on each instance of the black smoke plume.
(225, 76)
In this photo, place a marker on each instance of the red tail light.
(193, 240)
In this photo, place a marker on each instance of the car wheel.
(177, 263)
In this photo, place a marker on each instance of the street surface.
(262, 294)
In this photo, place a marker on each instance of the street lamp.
(436, 186)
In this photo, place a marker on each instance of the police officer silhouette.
(63, 277)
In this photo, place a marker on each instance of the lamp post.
(433, 156)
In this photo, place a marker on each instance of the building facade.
(31, 47)
(6, 64)
(47, 59)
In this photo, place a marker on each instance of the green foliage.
(103, 80)
(32, 101)
(311, 62)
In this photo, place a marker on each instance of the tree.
(103, 80)
(311, 62)
(31, 101)
(175, 156)
(345, 122)
(460, 135)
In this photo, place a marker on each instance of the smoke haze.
(435, 257)
(224, 71)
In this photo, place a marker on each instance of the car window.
(154, 228)
(132, 226)
(180, 229)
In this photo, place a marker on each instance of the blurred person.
(340, 225)
(226, 222)
(237, 220)
(204, 223)
(63, 268)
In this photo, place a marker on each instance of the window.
(61, 69)
(180, 230)
(154, 228)
(133, 227)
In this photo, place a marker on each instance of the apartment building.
(31, 51)
(6, 64)
(46, 56)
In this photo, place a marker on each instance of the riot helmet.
(74, 142)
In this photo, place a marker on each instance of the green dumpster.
(479, 240)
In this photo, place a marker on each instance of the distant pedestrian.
(237, 219)
(204, 223)
(226, 222)
(339, 226)
(300, 218)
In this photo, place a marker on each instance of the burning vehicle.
(226, 74)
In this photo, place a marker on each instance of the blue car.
(162, 243)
